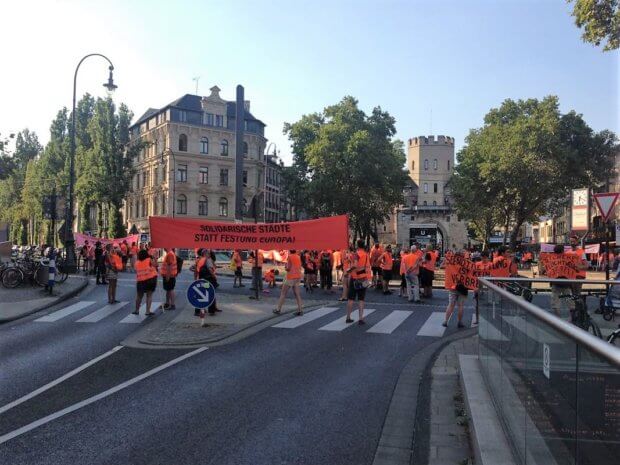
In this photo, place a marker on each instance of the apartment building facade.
(188, 168)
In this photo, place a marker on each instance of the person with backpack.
(326, 266)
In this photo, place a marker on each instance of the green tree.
(600, 21)
(526, 158)
(345, 161)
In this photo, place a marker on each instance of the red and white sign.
(606, 202)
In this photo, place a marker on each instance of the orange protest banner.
(560, 265)
(322, 233)
(461, 270)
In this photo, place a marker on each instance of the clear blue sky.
(454, 58)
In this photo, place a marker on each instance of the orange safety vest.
(117, 262)
(294, 265)
(346, 261)
(581, 274)
(386, 261)
(144, 270)
(362, 258)
(337, 258)
(169, 266)
(430, 264)
(261, 260)
(375, 255)
(123, 249)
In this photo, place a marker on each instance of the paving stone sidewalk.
(238, 313)
(449, 442)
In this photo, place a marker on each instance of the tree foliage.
(345, 161)
(600, 21)
(103, 171)
(526, 158)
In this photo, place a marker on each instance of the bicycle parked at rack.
(581, 318)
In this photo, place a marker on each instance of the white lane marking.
(390, 322)
(102, 313)
(340, 323)
(57, 381)
(95, 398)
(531, 330)
(432, 326)
(306, 318)
(142, 316)
(55, 316)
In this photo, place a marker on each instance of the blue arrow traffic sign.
(201, 294)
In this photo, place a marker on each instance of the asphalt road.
(313, 394)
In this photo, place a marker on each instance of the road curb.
(61, 298)
(216, 339)
(400, 440)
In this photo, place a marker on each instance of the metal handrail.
(554, 280)
(601, 348)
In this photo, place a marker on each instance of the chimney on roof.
(215, 91)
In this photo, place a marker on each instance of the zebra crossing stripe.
(432, 326)
(340, 323)
(306, 318)
(390, 322)
(131, 318)
(57, 315)
(102, 313)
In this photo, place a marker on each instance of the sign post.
(201, 294)
(606, 202)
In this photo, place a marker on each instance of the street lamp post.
(71, 263)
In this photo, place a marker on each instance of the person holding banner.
(292, 279)
(558, 290)
(146, 281)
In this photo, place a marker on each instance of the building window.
(447, 219)
(203, 206)
(448, 165)
(425, 189)
(425, 203)
(245, 150)
(144, 179)
(163, 204)
(425, 165)
(245, 178)
(155, 205)
(384, 228)
(412, 165)
(204, 145)
(224, 145)
(203, 175)
(223, 206)
(130, 209)
(208, 119)
(182, 143)
(182, 173)
(182, 116)
(182, 205)
(219, 121)
(145, 212)
(435, 165)
(224, 177)
(435, 188)
(434, 203)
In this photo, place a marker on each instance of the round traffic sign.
(201, 293)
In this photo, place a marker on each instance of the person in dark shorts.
(146, 281)
(169, 271)
(357, 284)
